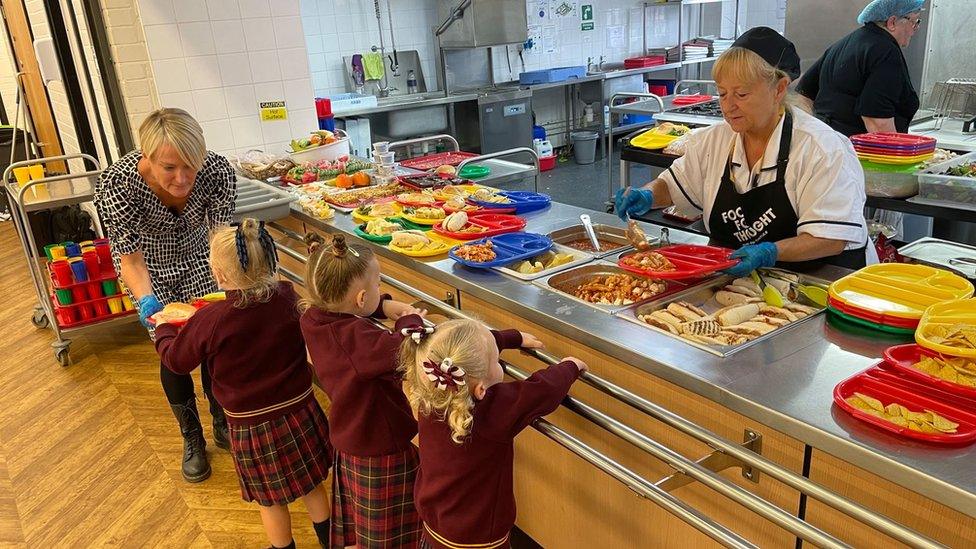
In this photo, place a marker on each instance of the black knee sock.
(322, 532)
(289, 546)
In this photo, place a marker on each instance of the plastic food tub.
(547, 163)
(933, 185)
(890, 181)
(333, 151)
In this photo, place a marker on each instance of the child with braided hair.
(252, 343)
(356, 364)
(468, 422)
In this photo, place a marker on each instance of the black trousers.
(179, 387)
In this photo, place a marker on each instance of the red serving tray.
(886, 386)
(892, 139)
(691, 260)
(199, 304)
(877, 318)
(871, 149)
(645, 61)
(690, 99)
(902, 358)
(431, 161)
(495, 224)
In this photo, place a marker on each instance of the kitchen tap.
(589, 64)
(601, 64)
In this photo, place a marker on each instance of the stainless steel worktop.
(404, 102)
(785, 382)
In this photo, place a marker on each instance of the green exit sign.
(586, 11)
(587, 26)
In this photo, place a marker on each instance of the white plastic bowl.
(333, 151)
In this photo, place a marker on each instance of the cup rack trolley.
(49, 193)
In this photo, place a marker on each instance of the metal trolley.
(46, 194)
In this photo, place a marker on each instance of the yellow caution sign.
(273, 110)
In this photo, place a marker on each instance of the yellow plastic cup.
(127, 303)
(36, 171)
(57, 252)
(115, 305)
(22, 174)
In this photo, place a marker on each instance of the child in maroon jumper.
(252, 341)
(468, 423)
(372, 425)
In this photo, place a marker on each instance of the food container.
(890, 181)
(702, 295)
(890, 386)
(566, 282)
(432, 161)
(522, 201)
(899, 290)
(934, 185)
(332, 151)
(947, 315)
(421, 220)
(579, 258)
(547, 163)
(904, 357)
(616, 237)
(943, 254)
(508, 249)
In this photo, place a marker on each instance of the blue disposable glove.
(636, 202)
(148, 306)
(753, 256)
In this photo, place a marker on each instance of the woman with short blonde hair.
(770, 180)
(159, 204)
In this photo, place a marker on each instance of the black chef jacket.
(864, 74)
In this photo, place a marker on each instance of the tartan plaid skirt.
(281, 460)
(372, 501)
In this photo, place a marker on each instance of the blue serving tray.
(546, 76)
(509, 248)
(522, 201)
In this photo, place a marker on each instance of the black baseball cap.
(773, 47)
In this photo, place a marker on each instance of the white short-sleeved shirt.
(824, 180)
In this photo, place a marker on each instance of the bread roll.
(659, 324)
(706, 327)
(736, 314)
(778, 312)
(800, 310)
(727, 298)
(668, 318)
(455, 222)
(685, 311)
(751, 291)
(175, 312)
(406, 239)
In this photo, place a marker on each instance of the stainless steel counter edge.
(404, 105)
(785, 383)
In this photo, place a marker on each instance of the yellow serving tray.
(899, 289)
(946, 315)
(421, 220)
(367, 218)
(446, 245)
(652, 141)
(896, 160)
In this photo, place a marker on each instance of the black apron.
(765, 213)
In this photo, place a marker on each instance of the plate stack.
(719, 45)
(696, 48)
(893, 149)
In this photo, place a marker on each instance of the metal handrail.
(613, 100)
(502, 154)
(638, 484)
(802, 484)
(428, 139)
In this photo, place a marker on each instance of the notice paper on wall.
(537, 11)
(616, 37)
(563, 9)
(549, 45)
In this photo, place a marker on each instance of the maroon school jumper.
(256, 354)
(464, 492)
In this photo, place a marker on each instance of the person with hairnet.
(862, 83)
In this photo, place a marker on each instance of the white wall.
(219, 58)
(337, 28)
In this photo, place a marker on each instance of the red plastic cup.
(101, 308)
(86, 313)
(93, 290)
(104, 254)
(79, 294)
(66, 316)
(61, 272)
(323, 107)
(91, 264)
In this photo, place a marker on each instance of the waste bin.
(584, 146)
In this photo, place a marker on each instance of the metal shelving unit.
(681, 38)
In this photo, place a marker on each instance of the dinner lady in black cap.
(771, 180)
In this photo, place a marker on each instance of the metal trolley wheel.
(39, 318)
(62, 356)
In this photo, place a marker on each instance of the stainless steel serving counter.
(785, 382)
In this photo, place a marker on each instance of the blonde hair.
(332, 268)
(463, 342)
(747, 66)
(174, 127)
(257, 282)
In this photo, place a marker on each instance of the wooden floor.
(90, 454)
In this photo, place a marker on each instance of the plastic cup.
(86, 312)
(63, 297)
(22, 174)
(110, 287)
(91, 264)
(86, 243)
(58, 252)
(47, 251)
(61, 272)
(384, 158)
(66, 316)
(115, 305)
(381, 147)
(36, 171)
(104, 256)
(78, 294)
(79, 270)
(127, 303)
(102, 308)
(72, 249)
(93, 290)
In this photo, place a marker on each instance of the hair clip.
(445, 375)
(417, 333)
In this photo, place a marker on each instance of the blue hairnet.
(881, 10)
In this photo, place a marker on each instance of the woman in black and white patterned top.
(159, 205)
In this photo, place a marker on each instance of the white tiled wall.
(337, 28)
(219, 58)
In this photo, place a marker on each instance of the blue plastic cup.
(79, 271)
